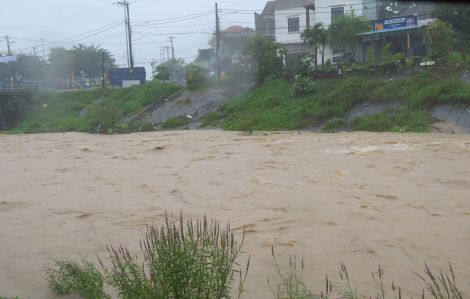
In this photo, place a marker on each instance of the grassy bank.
(274, 106)
(60, 111)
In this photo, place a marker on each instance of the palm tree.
(316, 36)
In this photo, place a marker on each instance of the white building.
(293, 16)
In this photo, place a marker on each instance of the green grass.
(175, 121)
(184, 102)
(334, 123)
(61, 113)
(274, 107)
(211, 119)
(404, 120)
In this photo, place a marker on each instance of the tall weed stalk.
(181, 260)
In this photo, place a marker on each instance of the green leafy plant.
(344, 29)
(316, 36)
(163, 73)
(195, 77)
(441, 38)
(410, 62)
(268, 57)
(184, 260)
(328, 63)
(387, 56)
(371, 57)
(334, 123)
(302, 64)
(399, 56)
(175, 121)
(84, 280)
(353, 65)
(303, 85)
(455, 58)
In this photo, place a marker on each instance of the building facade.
(291, 17)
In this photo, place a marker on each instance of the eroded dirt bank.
(360, 198)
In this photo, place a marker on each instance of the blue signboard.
(396, 23)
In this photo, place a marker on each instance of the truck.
(117, 75)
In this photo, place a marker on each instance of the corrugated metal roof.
(423, 11)
(269, 9)
(286, 4)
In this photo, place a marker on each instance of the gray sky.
(70, 22)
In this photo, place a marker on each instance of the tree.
(457, 14)
(268, 57)
(441, 38)
(180, 66)
(316, 36)
(80, 58)
(195, 76)
(343, 30)
(31, 68)
(163, 73)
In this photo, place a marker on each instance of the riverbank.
(360, 198)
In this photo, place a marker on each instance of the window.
(336, 12)
(293, 24)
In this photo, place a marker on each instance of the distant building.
(265, 22)
(407, 37)
(291, 17)
(232, 40)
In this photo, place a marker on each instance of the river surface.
(360, 198)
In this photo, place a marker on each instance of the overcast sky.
(66, 23)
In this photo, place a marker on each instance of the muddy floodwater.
(358, 198)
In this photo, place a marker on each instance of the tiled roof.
(235, 29)
(269, 9)
(286, 4)
(423, 11)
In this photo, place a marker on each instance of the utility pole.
(127, 42)
(217, 35)
(173, 58)
(162, 53)
(8, 45)
(34, 49)
(167, 53)
(129, 33)
(102, 67)
(42, 41)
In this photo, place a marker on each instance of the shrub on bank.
(274, 107)
(60, 111)
(175, 121)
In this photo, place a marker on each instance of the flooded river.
(358, 198)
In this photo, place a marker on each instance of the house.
(291, 17)
(232, 40)
(265, 22)
(406, 32)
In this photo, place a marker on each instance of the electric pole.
(34, 49)
(217, 35)
(167, 53)
(8, 45)
(173, 58)
(42, 41)
(129, 33)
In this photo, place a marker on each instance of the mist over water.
(359, 198)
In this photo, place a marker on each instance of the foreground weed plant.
(189, 260)
(84, 280)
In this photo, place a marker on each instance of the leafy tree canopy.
(343, 30)
(267, 56)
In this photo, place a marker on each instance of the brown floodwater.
(360, 198)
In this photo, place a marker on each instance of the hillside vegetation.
(274, 106)
(60, 111)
